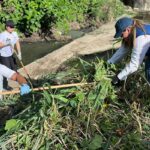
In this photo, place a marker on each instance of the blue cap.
(121, 25)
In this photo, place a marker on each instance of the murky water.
(35, 50)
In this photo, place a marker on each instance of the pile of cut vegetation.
(88, 117)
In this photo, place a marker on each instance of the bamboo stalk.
(45, 88)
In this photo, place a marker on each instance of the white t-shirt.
(5, 38)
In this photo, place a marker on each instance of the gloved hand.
(24, 89)
(115, 81)
(19, 56)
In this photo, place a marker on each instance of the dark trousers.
(147, 69)
(10, 62)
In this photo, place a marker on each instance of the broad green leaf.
(47, 97)
(10, 124)
(61, 98)
(73, 103)
(95, 143)
(91, 95)
(80, 96)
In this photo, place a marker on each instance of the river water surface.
(35, 50)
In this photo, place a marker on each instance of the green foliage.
(96, 143)
(101, 75)
(36, 16)
(10, 124)
(49, 119)
(102, 11)
(94, 116)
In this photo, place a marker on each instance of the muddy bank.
(97, 41)
(56, 35)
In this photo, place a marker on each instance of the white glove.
(19, 56)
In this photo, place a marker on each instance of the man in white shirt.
(9, 39)
(136, 38)
(10, 74)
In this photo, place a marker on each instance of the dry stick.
(29, 79)
(46, 88)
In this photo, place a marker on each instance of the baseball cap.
(121, 25)
(10, 23)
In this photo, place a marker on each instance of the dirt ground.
(97, 41)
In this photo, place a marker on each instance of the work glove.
(19, 56)
(116, 81)
(25, 89)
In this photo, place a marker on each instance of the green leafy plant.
(94, 116)
(41, 16)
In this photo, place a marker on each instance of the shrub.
(38, 16)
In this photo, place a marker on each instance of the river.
(35, 50)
